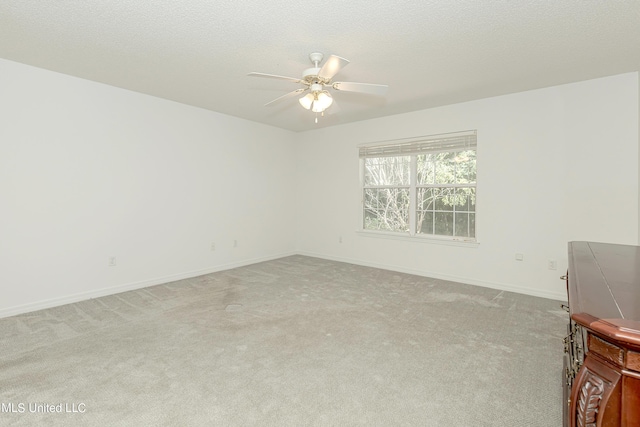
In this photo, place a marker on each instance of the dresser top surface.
(604, 280)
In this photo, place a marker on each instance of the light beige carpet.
(297, 341)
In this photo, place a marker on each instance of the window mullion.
(413, 194)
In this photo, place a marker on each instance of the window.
(423, 186)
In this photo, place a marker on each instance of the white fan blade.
(286, 95)
(369, 88)
(273, 76)
(332, 67)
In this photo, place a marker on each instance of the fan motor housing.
(310, 75)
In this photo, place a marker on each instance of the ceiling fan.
(317, 81)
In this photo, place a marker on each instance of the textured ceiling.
(429, 52)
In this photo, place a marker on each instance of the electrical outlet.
(519, 257)
(112, 261)
(552, 264)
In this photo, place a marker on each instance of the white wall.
(89, 171)
(554, 165)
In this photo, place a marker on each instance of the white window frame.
(412, 147)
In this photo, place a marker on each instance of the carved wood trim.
(589, 400)
(595, 395)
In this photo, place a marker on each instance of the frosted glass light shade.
(307, 100)
(325, 100)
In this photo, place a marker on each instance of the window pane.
(472, 200)
(372, 220)
(370, 216)
(425, 167)
(444, 223)
(445, 168)
(424, 223)
(472, 225)
(444, 199)
(465, 167)
(371, 201)
(386, 209)
(425, 199)
(386, 171)
(465, 199)
(462, 225)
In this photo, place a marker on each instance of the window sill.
(419, 239)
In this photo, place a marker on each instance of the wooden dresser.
(602, 348)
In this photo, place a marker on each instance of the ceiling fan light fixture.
(322, 102)
(325, 99)
(307, 100)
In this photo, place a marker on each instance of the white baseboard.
(559, 296)
(82, 296)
